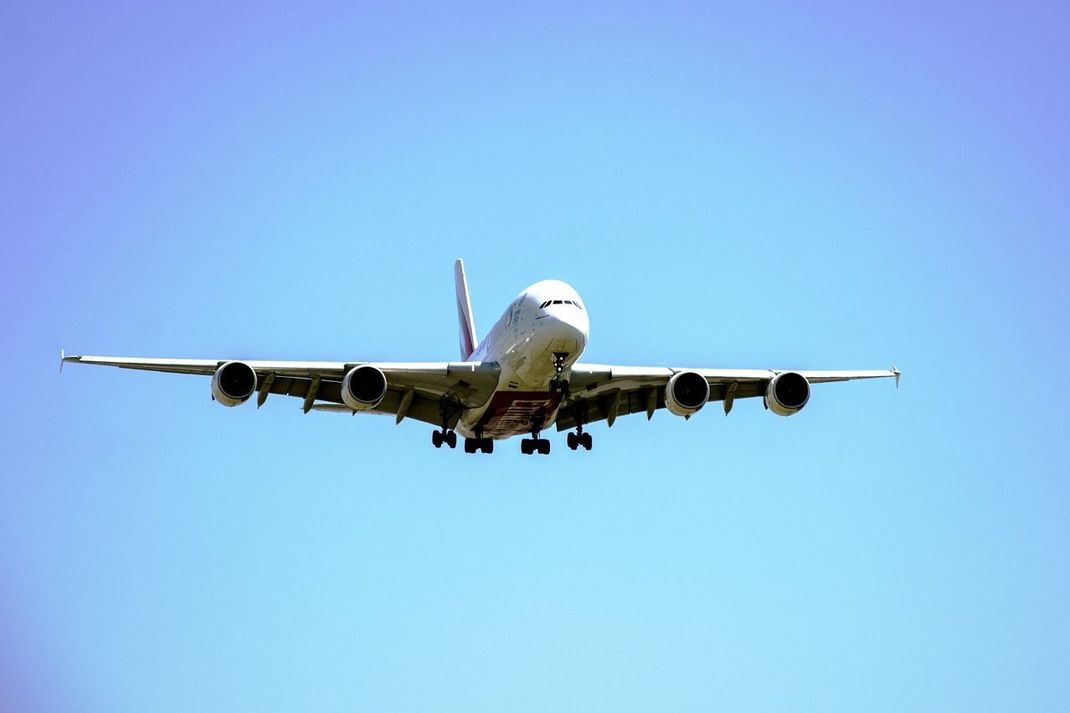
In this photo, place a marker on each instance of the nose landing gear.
(557, 384)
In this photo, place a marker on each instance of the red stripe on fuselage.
(510, 412)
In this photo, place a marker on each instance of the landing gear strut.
(557, 384)
(447, 435)
(479, 443)
(535, 444)
(579, 416)
(579, 438)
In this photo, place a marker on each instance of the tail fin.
(464, 311)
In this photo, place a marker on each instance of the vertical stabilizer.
(464, 311)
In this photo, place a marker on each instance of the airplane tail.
(464, 311)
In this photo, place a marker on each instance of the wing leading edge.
(604, 392)
(415, 390)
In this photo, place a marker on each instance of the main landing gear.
(446, 410)
(557, 384)
(535, 444)
(579, 438)
(444, 436)
(486, 445)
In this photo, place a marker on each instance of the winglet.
(896, 372)
(63, 359)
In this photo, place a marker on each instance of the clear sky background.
(844, 187)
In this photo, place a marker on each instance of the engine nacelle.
(787, 393)
(686, 393)
(233, 383)
(363, 387)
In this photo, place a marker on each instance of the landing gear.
(579, 416)
(557, 384)
(486, 445)
(575, 440)
(535, 444)
(529, 446)
(444, 436)
(446, 410)
(479, 443)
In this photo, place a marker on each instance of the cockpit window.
(547, 303)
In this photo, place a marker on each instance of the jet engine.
(787, 393)
(363, 387)
(233, 383)
(686, 393)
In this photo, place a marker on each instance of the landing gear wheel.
(449, 438)
(579, 438)
(483, 445)
(535, 445)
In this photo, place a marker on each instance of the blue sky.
(763, 187)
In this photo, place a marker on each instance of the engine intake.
(363, 388)
(686, 393)
(233, 383)
(787, 393)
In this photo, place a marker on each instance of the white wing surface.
(600, 391)
(426, 391)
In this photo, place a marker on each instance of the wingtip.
(897, 374)
(63, 359)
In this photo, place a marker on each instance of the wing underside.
(432, 392)
(600, 392)
(439, 392)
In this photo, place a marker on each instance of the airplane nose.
(568, 333)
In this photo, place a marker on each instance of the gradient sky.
(844, 187)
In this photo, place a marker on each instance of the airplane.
(525, 376)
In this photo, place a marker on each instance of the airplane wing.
(415, 390)
(602, 392)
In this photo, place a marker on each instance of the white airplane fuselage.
(547, 318)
